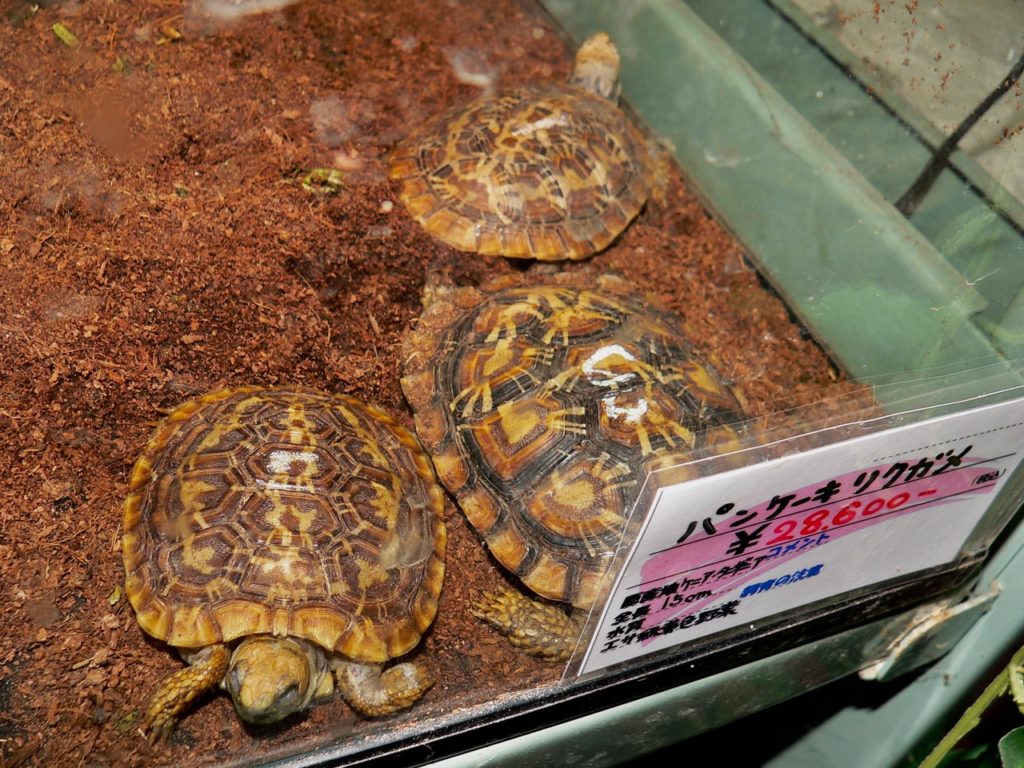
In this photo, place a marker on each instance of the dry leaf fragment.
(65, 35)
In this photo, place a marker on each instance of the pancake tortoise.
(542, 406)
(283, 540)
(547, 172)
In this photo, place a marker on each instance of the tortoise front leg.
(373, 692)
(531, 626)
(178, 691)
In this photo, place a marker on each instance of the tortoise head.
(269, 677)
(597, 66)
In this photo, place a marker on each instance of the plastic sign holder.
(739, 547)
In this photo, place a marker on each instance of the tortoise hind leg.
(373, 692)
(531, 626)
(178, 691)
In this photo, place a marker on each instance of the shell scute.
(549, 404)
(284, 511)
(546, 172)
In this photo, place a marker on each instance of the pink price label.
(731, 546)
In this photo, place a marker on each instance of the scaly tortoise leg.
(373, 692)
(183, 687)
(531, 626)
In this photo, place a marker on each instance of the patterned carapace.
(286, 512)
(541, 406)
(545, 172)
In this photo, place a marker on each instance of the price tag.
(737, 547)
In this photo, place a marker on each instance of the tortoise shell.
(543, 405)
(287, 512)
(545, 172)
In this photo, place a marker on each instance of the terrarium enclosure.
(195, 196)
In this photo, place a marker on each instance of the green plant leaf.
(1011, 748)
(978, 756)
(999, 686)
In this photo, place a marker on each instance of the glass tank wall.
(675, 398)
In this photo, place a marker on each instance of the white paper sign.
(737, 547)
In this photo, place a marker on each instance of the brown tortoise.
(542, 405)
(547, 172)
(283, 540)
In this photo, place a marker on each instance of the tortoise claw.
(531, 626)
(159, 729)
(373, 691)
(180, 689)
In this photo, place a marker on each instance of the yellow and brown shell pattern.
(541, 405)
(287, 512)
(547, 172)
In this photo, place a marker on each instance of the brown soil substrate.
(156, 242)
